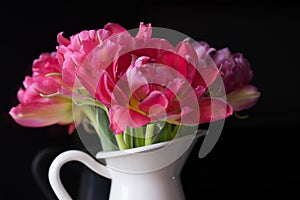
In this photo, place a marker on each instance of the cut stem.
(120, 141)
(149, 134)
(129, 137)
(139, 137)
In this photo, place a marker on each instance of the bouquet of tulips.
(133, 90)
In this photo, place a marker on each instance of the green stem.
(139, 136)
(168, 132)
(129, 137)
(120, 141)
(149, 134)
(174, 132)
(240, 116)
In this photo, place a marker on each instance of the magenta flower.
(35, 108)
(143, 79)
(236, 74)
(234, 68)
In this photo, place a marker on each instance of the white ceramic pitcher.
(144, 173)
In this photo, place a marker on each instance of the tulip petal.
(154, 98)
(202, 49)
(122, 117)
(212, 109)
(185, 116)
(62, 40)
(114, 28)
(185, 50)
(175, 61)
(221, 55)
(243, 98)
(92, 67)
(205, 77)
(157, 44)
(145, 32)
(40, 114)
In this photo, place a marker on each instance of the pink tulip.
(71, 53)
(36, 110)
(235, 69)
(143, 79)
(236, 74)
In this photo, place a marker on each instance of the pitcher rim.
(144, 149)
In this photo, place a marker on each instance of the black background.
(257, 156)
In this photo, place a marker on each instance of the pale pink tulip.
(36, 109)
(71, 53)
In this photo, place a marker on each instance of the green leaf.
(107, 138)
(163, 135)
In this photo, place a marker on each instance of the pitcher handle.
(72, 155)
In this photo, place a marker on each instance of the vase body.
(163, 183)
(160, 184)
(147, 173)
